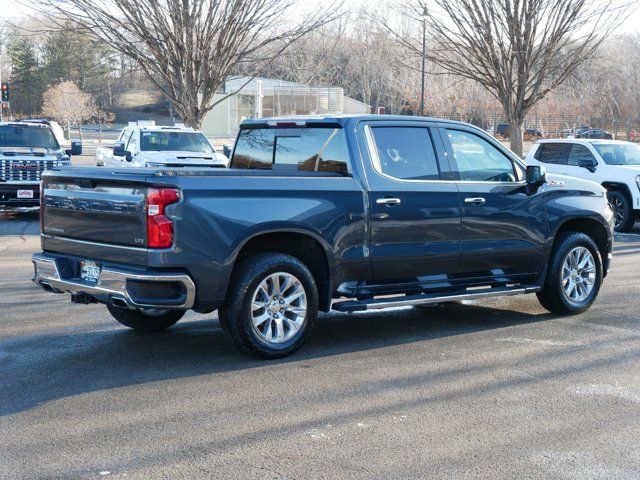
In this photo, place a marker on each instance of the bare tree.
(188, 48)
(68, 105)
(518, 50)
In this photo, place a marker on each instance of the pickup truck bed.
(92, 213)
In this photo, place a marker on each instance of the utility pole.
(424, 51)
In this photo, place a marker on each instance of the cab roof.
(340, 119)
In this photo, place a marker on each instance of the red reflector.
(41, 207)
(159, 226)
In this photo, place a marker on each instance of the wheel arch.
(301, 244)
(592, 227)
(619, 186)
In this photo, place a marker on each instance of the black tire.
(553, 297)
(620, 203)
(145, 322)
(236, 314)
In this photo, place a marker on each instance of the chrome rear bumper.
(112, 284)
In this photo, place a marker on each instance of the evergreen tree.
(26, 80)
(70, 55)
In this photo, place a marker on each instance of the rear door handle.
(475, 200)
(388, 201)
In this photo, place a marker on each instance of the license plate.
(89, 271)
(25, 194)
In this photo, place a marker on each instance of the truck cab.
(143, 144)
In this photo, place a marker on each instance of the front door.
(415, 207)
(503, 227)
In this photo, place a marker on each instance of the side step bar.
(408, 300)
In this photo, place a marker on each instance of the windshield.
(619, 154)
(27, 136)
(174, 142)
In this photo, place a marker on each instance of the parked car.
(533, 132)
(143, 144)
(596, 133)
(613, 164)
(349, 213)
(26, 151)
(503, 130)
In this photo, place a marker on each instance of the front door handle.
(475, 200)
(388, 201)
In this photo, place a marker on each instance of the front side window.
(27, 136)
(478, 160)
(194, 142)
(406, 153)
(619, 154)
(580, 155)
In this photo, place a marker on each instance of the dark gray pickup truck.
(347, 212)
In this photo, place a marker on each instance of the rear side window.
(556, 153)
(310, 149)
(406, 153)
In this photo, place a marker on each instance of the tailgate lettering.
(91, 205)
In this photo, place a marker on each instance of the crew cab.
(349, 213)
(26, 151)
(613, 164)
(143, 144)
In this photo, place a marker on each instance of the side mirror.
(536, 177)
(226, 149)
(76, 148)
(119, 151)
(588, 163)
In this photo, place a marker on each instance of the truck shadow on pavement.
(42, 368)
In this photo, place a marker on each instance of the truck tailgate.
(89, 208)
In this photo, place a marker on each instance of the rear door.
(503, 229)
(554, 156)
(415, 207)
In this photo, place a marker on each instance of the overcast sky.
(11, 9)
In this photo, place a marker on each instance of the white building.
(266, 97)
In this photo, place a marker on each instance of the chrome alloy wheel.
(278, 307)
(578, 274)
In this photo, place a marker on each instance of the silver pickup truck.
(144, 144)
(26, 151)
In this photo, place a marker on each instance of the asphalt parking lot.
(491, 389)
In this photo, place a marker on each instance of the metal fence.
(550, 125)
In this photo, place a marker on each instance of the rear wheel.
(574, 275)
(623, 213)
(271, 305)
(148, 320)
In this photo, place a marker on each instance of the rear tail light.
(159, 226)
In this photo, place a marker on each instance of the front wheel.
(149, 320)
(574, 276)
(271, 305)
(623, 213)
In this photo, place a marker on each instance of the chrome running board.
(409, 300)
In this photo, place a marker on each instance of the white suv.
(613, 164)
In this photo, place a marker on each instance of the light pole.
(424, 48)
